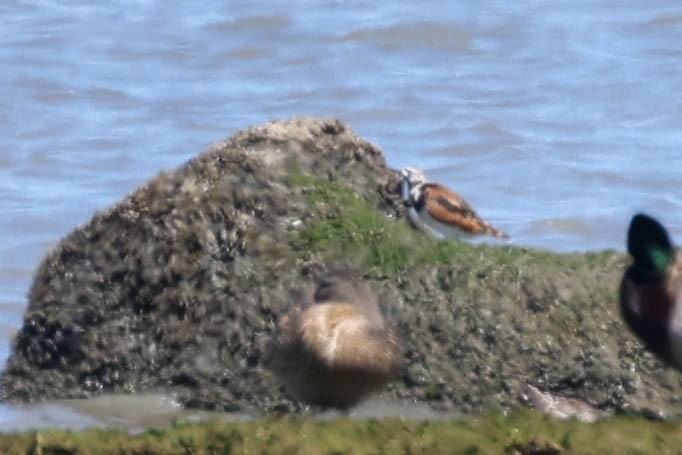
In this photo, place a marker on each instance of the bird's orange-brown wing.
(450, 208)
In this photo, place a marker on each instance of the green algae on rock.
(179, 285)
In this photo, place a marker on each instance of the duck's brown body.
(650, 294)
(648, 309)
(336, 351)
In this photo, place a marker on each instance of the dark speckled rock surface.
(179, 286)
(171, 287)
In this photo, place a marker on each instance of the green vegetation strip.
(519, 432)
(348, 225)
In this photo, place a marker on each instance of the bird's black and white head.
(412, 182)
(650, 247)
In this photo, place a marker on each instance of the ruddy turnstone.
(650, 292)
(335, 350)
(440, 211)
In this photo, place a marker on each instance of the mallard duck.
(650, 291)
(335, 350)
(439, 211)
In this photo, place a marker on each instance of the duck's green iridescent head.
(650, 247)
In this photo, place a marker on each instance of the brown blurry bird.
(335, 350)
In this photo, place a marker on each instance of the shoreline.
(517, 432)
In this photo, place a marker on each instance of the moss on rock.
(180, 284)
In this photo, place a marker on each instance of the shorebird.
(335, 350)
(562, 407)
(439, 211)
(650, 291)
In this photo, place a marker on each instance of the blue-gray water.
(556, 120)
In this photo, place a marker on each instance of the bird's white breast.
(439, 229)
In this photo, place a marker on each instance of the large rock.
(178, 288)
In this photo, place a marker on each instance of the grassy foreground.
(522, 432)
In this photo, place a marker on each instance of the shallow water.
(557, 121)
(136, 413)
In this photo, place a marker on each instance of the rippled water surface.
(556, 120)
